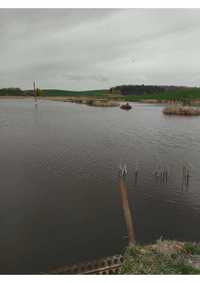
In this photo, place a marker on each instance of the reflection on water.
(161, 174)
(125, 206)
(59, 198)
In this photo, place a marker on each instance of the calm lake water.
(59, 199)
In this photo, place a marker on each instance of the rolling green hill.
(174, 94)
(131, 94)
(11, 92)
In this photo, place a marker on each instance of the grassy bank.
(164, 257)
(185, 95)
(171, 95)
(91, 101)
(181, 110)
(65, 93)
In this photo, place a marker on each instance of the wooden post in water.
(126, 209)
(34, 92)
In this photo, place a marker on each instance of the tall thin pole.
(126, 210)
(34, 92)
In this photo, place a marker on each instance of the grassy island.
(181, 110)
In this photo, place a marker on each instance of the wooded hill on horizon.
(124, 92)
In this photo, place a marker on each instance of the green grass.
(166, 257)
(192, 248)
(182, 94)
(57, 92)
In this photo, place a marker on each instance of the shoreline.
(101, 101)
(160, 257)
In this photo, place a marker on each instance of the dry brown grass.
(86, 100)
(181, 110)
(163, 257)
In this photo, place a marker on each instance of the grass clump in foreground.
(164, 257)
(181, 110)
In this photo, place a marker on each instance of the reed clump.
(181, 110)
(162, 257)
(101, 103)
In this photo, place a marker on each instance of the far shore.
(100, 102)
(14, 97)
(96, 101)
(91, 101)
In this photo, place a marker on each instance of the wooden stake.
(126, 209)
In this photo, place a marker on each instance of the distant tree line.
(142, 89)
(12, 91)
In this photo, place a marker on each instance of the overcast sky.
(99, 48)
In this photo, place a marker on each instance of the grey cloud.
(82, 77)
(94, 48)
